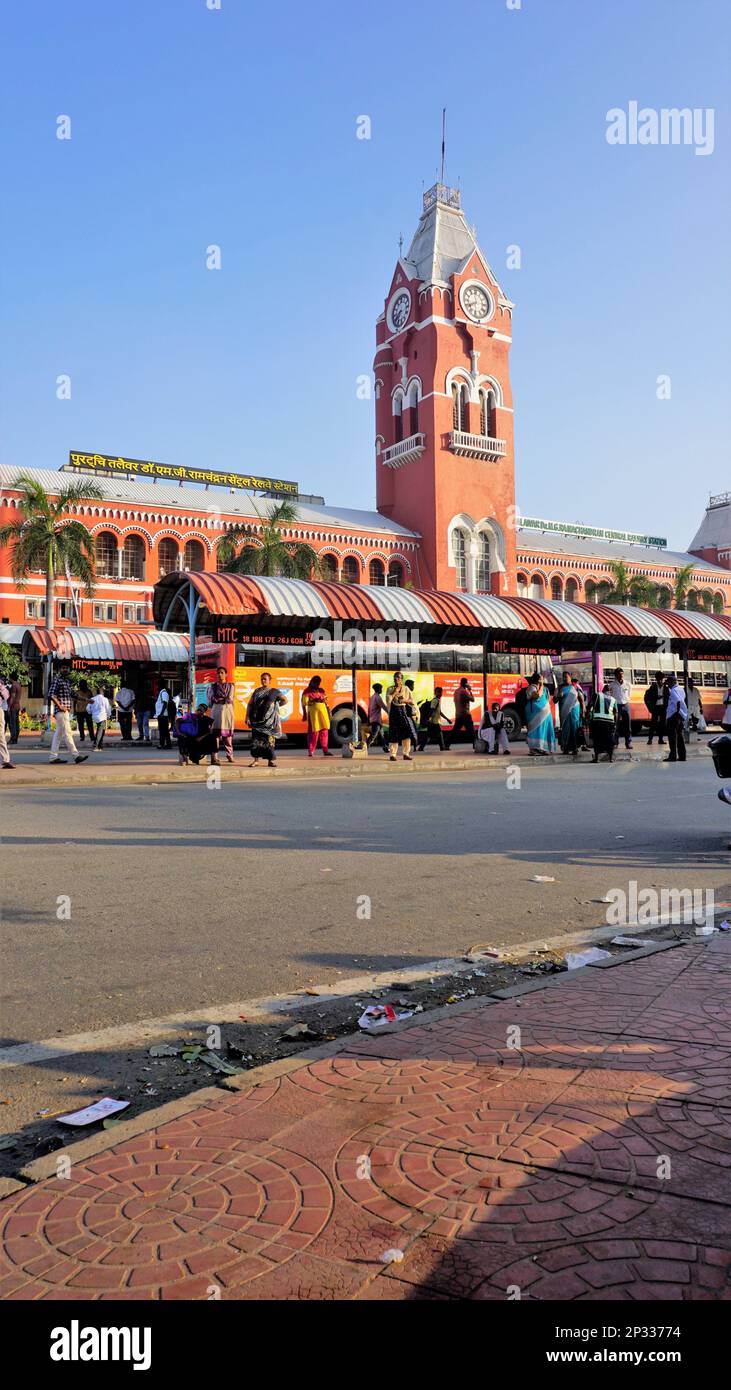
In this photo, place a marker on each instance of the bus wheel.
(341, 725)
(512, 723)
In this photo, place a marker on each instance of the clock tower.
(444, 409)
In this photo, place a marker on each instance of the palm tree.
(643, 592)
(682, 583)
(43, 539)
(245, 550)
(620, 590)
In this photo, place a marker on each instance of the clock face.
(399, 311)
(475, 302)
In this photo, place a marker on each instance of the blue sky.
(237, 127)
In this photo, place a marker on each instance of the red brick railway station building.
(445, 477)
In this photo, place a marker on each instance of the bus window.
(639, 675)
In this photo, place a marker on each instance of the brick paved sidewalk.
(592, 1162)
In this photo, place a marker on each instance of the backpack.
(520, 702)
(425, 713)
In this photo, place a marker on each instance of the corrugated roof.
(188, 497)
(714, 531)
(563, 543)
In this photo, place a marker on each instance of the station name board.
(111, 465)
(574, 528)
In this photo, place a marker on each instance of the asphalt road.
(184, 897)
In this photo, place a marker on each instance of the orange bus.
(711, 674)
(292, 666)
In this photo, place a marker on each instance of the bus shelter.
(220, 606)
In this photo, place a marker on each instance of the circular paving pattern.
(478, 1197)
(377, 1079)
(158, 1219)
(622, 1269)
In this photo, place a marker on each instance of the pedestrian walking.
(124, 701)
(655, 697)
(432, 719)
(4, 754)
(143, 709)
(317, 717)
(262, 716)
(376, 710)
(570, 716)
(401, 716)
(12, 713)
(463, 698)
(165, 713)
(492, 730)
(60, 704)
(100, 711)
(696, 718)
(220, 699)
(602, 723)
(541, 732)
(84, 720)
(620, 691)
(676, 716)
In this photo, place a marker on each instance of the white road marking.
(269, 1008)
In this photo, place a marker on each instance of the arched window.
(693, 600)
(487, 413)
(351, 570)
(396, 574)
(572, 591)
(168, 552)
(398, 419)
(376, 572)
(664, 597)
(522, 581)
(133, 558)
(329, 567)
(536, 586)
(220, 560)
(193, 556)
(105, 549)
(459, 547)
(556, 588)
(414, 409)
(482, 576)
(590, 591)
(718, 604)
(459, 406)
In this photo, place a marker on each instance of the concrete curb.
(345, 767)
(41, 1168)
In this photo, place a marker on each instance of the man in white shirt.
(676, 716)
(101, 711)
(619, 691)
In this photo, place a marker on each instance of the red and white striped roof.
(106, 644)
(439, 615)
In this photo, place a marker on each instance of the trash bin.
(721, 749)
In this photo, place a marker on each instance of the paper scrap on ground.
(630, 941)
(379, 1016)
(575, 959)
(542, 878)
(91, 1114)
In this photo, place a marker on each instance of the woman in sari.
(569, 708)
(220, 697)
(539, 719)
(317, 715)
(262, 716)
(401, 715)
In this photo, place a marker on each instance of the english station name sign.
(574, 528)
(112, 465)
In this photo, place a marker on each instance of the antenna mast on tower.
(444, 132)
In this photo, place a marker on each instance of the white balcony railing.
(399, 454)
(476, 446)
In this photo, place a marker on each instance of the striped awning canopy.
(296, 604)
(105, 644)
